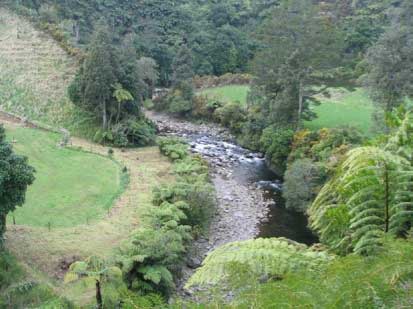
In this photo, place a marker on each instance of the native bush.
(264, 257)
(302, 182)
(324, 145)
(231, 115)
(156, 251)
(276, 143)
(173, 148)
(380, 281)
(369, 196)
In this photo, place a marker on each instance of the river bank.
(241, 206)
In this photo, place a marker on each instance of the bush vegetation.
(155, 253)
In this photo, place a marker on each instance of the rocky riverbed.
(241, 206)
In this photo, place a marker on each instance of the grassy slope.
(344, 108)
(232, 93)
(35, 73)
(44, 250)
(71, 186)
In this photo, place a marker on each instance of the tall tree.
(390, 61)
(92, 88)
(105, 70)
(15, 176)
(182, 65)
(300, 49)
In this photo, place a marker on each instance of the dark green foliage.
(276, 143)
(390, 61)
(301, 50)
(134, 132)
(15, 176)
(302, 182)
(182, 66)
(92, 88)
(109, 85)
(217, 34)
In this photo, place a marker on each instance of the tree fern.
(271, 257)
(370, 196)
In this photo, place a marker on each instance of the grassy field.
(43, 252)
(231, 93)
(72, 187)
(344, 108)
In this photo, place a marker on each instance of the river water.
(250, 169)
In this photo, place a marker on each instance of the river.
(249, 194)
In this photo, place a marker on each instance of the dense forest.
(159, 108)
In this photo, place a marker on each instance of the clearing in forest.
(230, 93)
(341, 108)
(344, 108)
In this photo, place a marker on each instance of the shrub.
(231, 115)
(180, 101)
(156, 252)
(302, 182)
(204, 107)
(199, 198)
(130, 132)
(173, 148)
(202, 82)
(276, 143)
(322, 145)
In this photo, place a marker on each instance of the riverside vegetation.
(322, 89)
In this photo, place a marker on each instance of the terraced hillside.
(35, 72)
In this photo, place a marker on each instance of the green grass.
(71, 188)
(344, 108)
(231, 93)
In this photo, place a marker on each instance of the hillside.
(35, 72)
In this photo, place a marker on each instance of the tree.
(390, 61)
(15, 176)
(301, 183)
(182, 66)
(107, 68)
(97, 270)
(272, 257)
(121, 95)
(92, 88)
(300, 50)
(370, 196)
(149, 72)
